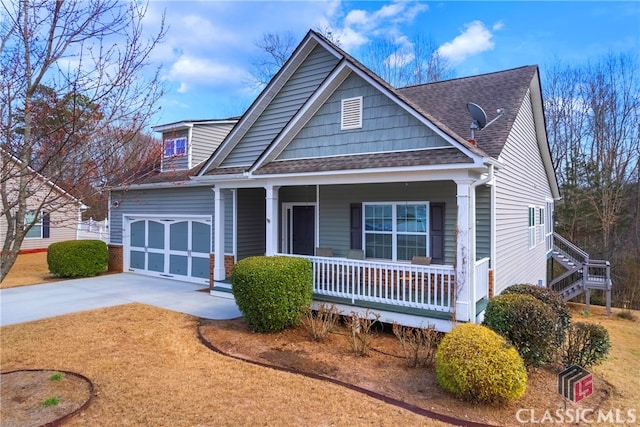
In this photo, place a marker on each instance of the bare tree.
(593, 124)
(96, 55)
(401, 61)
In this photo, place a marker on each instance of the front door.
(299, 229)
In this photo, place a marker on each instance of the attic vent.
(351, 113)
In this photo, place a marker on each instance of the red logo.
(575, 383)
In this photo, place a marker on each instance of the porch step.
(222, 290)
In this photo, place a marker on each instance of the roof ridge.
(467, 77)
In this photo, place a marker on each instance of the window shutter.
(46, 221)
(356, 226)
(351, 113)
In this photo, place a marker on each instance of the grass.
(141, 357)
(56, 377)
(51, 401)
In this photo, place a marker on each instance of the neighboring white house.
(57, 218)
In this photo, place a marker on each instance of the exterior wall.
(520, 182)
(285, 104)
(64, 217)
(116, 260)
(229, 262)
(176, 162)
(385, 127)
(335, 201)
(251, 227)
(166, 201)
(205, 139)
(483, 222)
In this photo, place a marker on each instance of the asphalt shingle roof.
(447, 101)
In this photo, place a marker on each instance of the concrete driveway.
(27, 303)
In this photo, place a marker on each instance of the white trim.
(394, 232)
(329, 156)
(531, 229)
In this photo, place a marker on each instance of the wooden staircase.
(582, 273)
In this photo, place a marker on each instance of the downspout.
(472, 213)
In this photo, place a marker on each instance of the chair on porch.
(325, 252)
(355, 254)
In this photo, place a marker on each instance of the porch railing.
(482, 279)
(405, 285)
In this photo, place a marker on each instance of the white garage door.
(169, 247)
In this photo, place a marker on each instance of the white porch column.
(218, 250)
(271, 244)
(464, 253)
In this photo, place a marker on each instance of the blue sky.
(207, 54)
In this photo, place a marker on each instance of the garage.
(174, 247)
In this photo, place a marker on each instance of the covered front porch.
(386, 225)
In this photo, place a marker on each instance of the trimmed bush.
(272, 292)
(586, 344)
(78, 258)
(550, 297)
(528, 323)
(477, 365)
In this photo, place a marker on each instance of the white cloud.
(475, 38)
(191, 71)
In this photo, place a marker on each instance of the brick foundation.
(491, 286)
(229, 262)
(116, 262)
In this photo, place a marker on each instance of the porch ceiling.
(443, 156)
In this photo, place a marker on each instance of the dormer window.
(175, 147)
(351, 117)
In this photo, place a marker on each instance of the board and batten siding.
(174, 163)
(335, 202)
(315, 68)
(521, 182)
(251, 228)
(169, 202)
(206, 138)
(386, 127)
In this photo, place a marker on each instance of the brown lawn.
(29, 269)
(149, 368)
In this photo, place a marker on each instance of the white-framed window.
(37, 231)
(541, 224)
(532, 227)
(175, 147)
(396, 231)
(548, 226)
(351, 114)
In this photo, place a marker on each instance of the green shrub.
(77, 258)
(550, 297)
(272, 292)
(476, 364)
(528, 323)
(586, 344)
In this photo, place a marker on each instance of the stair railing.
(570, 250)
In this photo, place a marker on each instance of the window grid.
(396, 231)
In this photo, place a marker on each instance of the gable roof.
(447, 101)
(10, 157)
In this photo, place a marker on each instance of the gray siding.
(206, 138)
(483, 222)
(251, 222)
(519, 183)
(286, 103)
(335, 204)
(168, 201)
(176, 162)
(385, 127)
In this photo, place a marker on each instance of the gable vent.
(351, 113)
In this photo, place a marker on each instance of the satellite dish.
(478, 115)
